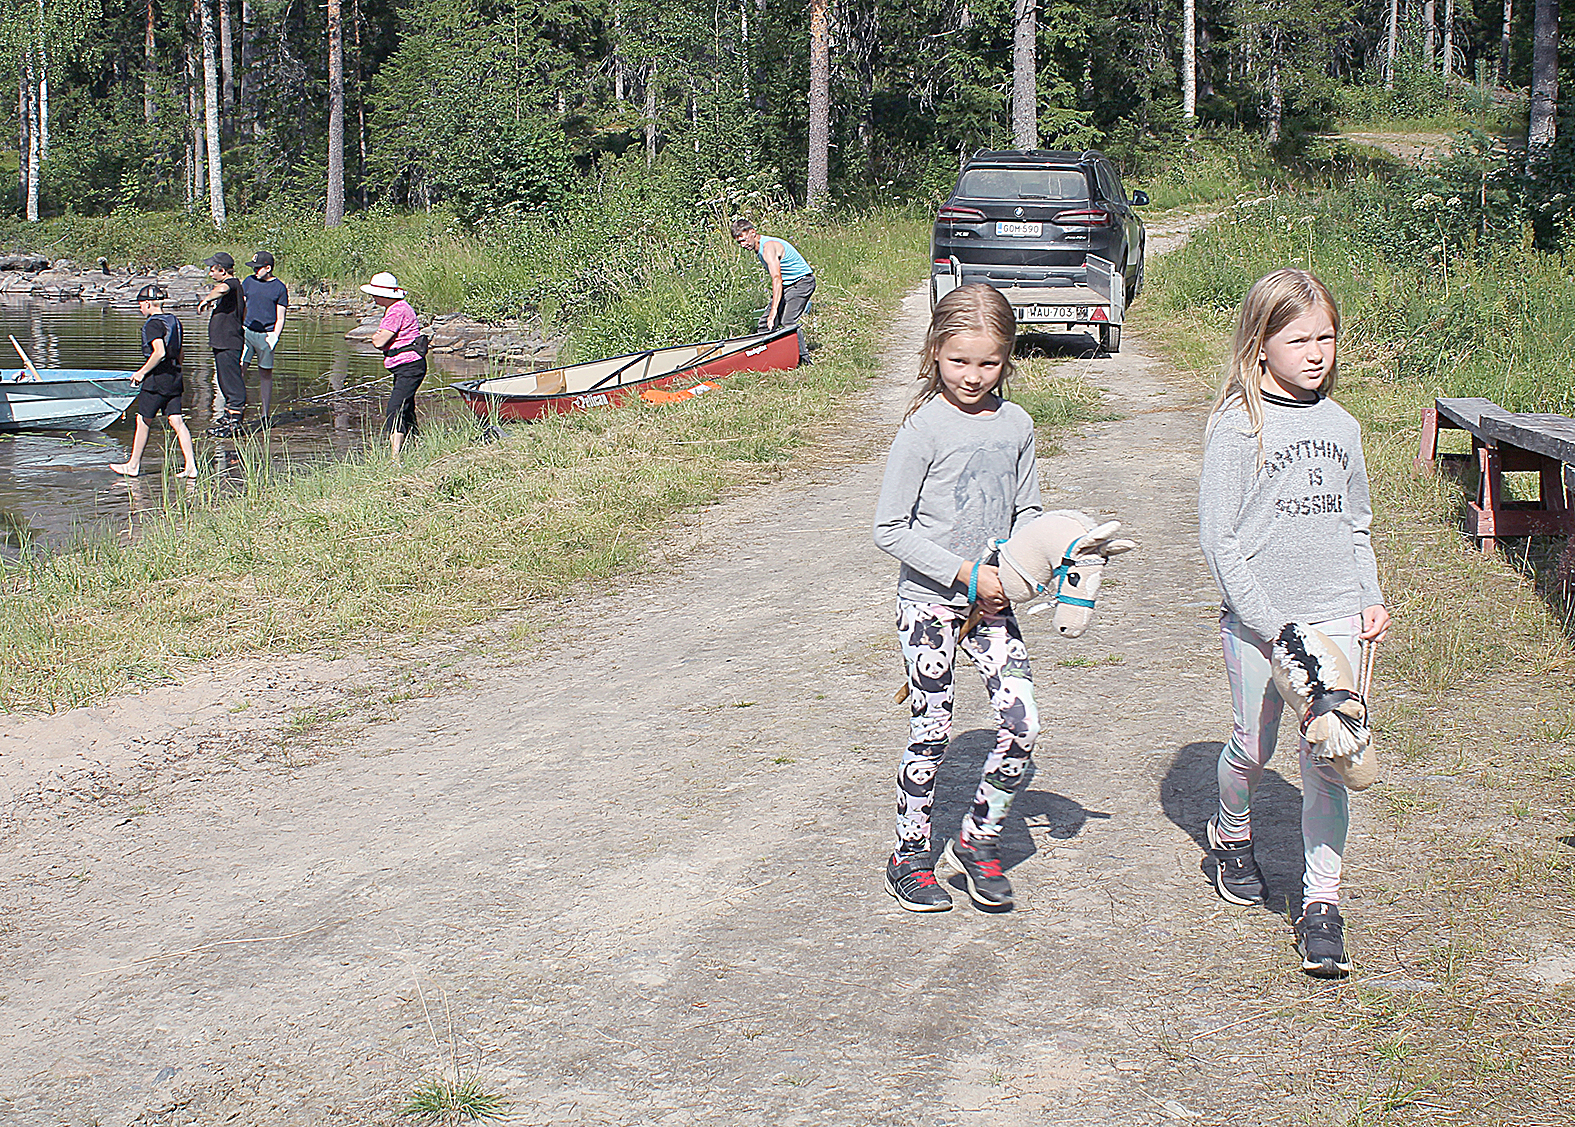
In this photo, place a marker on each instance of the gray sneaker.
(914, 886)
(1320, 937)
(981, 867)
(1237, 877)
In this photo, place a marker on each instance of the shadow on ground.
(1058, 346)
(1189, 794)
(1063, 817)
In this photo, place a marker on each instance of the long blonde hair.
(974, 308)
(1274, 301)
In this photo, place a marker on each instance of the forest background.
(482, 115)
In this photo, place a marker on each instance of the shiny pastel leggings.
(928, 633)
(1326, 805)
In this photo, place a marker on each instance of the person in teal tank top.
(792, 279)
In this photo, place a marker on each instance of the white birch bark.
(1544, 81)
(1189, 59)
(210, 92)
(1503, 43)
(1393, 44)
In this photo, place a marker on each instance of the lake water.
(328, 401)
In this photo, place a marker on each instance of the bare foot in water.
(189, 471)
(125, 469)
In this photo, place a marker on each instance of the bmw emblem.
(1018, 213)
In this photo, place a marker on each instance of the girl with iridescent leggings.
(961, 474)
(1284, 520)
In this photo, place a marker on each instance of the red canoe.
(605, 383)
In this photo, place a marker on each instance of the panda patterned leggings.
(928, 633)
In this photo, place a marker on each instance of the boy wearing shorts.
(160, 380)
(266, 301)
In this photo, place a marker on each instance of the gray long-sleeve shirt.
(954, 482)
(1288, 540)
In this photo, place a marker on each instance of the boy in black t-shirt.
(266, 301)
(160, 377)
(226, 339)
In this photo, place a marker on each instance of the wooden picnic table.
(1507, 441)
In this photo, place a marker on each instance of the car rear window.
(1023, 184)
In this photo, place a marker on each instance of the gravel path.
(636, 876)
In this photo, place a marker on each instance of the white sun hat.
(383, 284)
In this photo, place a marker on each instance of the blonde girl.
(1284, 520)
(961, 474)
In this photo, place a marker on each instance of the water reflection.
(328, 399)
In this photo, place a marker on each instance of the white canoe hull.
(65, 399)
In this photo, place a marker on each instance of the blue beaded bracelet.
(973, 583)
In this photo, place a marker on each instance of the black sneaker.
(914, 885)
(227, 427)
(978, 863)
(1237, 877)
(1320, 937)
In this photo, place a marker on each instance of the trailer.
(1092, 302)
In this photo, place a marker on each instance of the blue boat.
(63, 398)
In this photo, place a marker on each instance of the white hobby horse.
(1061, 554)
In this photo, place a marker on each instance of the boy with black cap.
(266, 301)
(226, 339)
(160, 377)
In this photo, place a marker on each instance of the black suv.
(1027, 217)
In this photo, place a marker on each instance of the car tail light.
(1083, 217)
(961, 214)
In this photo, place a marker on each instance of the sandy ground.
(633, 876)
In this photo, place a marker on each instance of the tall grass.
(297, 561)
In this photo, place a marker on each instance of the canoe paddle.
(25, 358)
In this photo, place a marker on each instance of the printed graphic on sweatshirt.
(1317, 464)
(985, 498)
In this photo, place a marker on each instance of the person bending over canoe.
(160, 380)
(792, 279)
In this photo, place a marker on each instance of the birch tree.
(1189, 59)
(210, 93)
(1503, 43)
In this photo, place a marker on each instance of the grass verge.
(1461, 896)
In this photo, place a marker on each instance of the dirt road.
(636, 874)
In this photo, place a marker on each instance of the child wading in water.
(961, 474)
(1284, 521)
(159, 380)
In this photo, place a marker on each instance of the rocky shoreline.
(453, 334)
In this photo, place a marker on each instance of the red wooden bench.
(1507, 441)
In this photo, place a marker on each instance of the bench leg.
(1427, 452)
(1550, 485)
(1490, 492)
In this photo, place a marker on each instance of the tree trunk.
(650, 114)
(22, 100)
(1503, 43)
(32, 160)
(1429, 32)
(197, 184)
(1025, 74)
(1544, 81)
(43, 88)
(1449, 38)
(210, 95)
(818, 187)
(250, 119)
(1276, 96)
(1189, 59)
(335, 211)
(1393, 44)
(617, 46)
(360, 103)
(227, 62)
(150, 67)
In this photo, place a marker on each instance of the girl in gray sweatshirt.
(960, 475)
(1284, 520)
